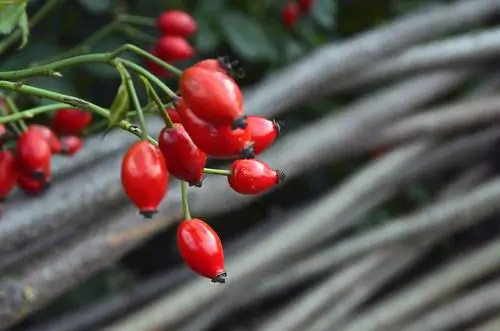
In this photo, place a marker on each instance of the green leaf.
(25, 30)
(121, 104)
(206, 39)
(97, 6)
(246, 36)
(323, 12)
(10, 15)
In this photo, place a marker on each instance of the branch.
(452, 52)
(468, 180)
(491, 325)
(298, 83)
(422, 293)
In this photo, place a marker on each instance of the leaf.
(246, 36)
(121, 104)
(97, 6)
(323, 12)
(10, 15)
(25, 29)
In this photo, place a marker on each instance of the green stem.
(166, 118)
(220, 172)
(37, 17)
(185, 202)
(143, 72)
(135, 101)
(12, 125)
(137, 50)
(72, 101)
(14, 110)
(137, 34)
(139, 20)
(30, 113)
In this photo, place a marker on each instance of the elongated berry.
(174, 115)
(213, 96)
(184, 159)
(49, 135)
(144, 177)
(201, 249)
(31, 186)
(290, 14)
(253, 176)
(8, 173)
(176, 23)
(263, 132)
(222, 64)
(222, 142)
(70, 145)
(34, 154)
(173, 48)
(155, 68)
(71, 121)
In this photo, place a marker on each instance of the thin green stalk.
(13, 109)
(139, 20)
(219, 172)
(30, 113)
(137, 50)
(135, 102)
(13, 125)
(152, 78)
(137, 34)
(185, 202)
(72, 101)
(166, 118)
(37, 17)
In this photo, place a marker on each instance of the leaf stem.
(185, 202)
(219, 172)
(139, 20)
(14, 110)
(135, 33)
(30, 113)
(135, 102)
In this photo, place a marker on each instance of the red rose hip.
(213, 96)
(201, 249)
(33, 154)
(305, 5)
(176, 23)
(71, 121)
(263, 132)
(253, 176)
(156, 68)
(184, 159)
(173, 48)
(173, 115)
(144, 177)
(31, 186)
(70, 145)
(290, 14)
(8, 173)
(49, 135)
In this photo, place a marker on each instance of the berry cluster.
(207, 120)
(293, 10)
(28, 165)
(175, 26)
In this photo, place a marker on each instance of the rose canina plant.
(204, 120)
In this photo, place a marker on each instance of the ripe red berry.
(173, 48)
(213, 96)
(70, 145)
(155, 68)
(32, 186)
(219, 142)
(201, 249)
(253, 176)
(290, 14)
(305, 5)
(71, 121)
(222, 64)
(5, 134)
(144, 177)
(176, 23)
(8, 173)
(33, 153)
(263, 132)
(49, 135)
(184, 159)
(174, 115)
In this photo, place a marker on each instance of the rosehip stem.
(30, 113)
(14, 110)
(185, 202)
(135, 102)
(164, 114)
(139, 20)
(219, 172)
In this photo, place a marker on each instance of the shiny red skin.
(263, 131)
(253, 177)
(71, 121)
(184, 159)
(176, 23)
(4, 134)
(201, 248)
(144, 177)
(174, 115)
(218, 142)
(71, 145)
(155, 68)
(32, 186)
(210, 64)
(34, 154)
(290, 14)
(213, 96)
(305, 5)
(173, 48)
(50, 136)
(8, 173)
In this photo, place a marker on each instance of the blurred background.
(388, 219)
